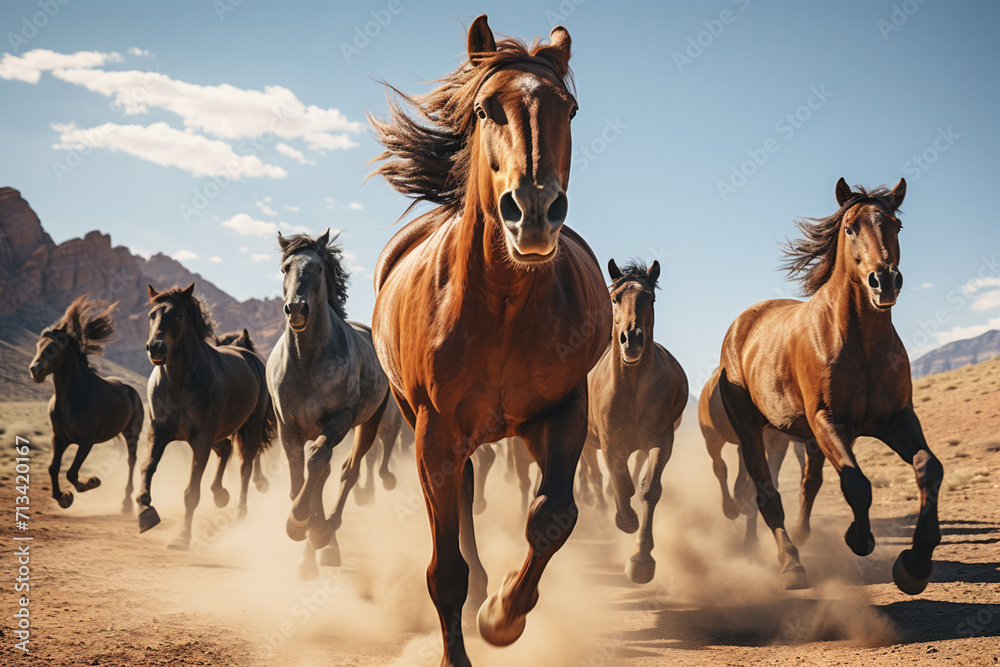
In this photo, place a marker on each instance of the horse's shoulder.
(402, 242)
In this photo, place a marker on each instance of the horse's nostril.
(509, 210)
(288, 311)
(558, 208)
(899, 281)
(873, 280)
(147, 347)
(623, 338)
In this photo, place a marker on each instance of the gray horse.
(637, 394)
(324, 380)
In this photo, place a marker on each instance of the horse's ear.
(152, 292)
(654, 272)
(324, 238)
(613, 270)
(898, 193)
(560, 41)
(842, 191)
(187, 292)
(246, 334)
(282, 241)
(480, 39)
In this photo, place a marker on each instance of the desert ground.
(102, 594)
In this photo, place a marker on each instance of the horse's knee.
(856, 488)
(928, 469)
(319, 460)
(550, 522)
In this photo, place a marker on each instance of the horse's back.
(759, 332)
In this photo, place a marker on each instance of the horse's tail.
(257, 432)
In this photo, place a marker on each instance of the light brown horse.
(85, 408)
(717, 431)
(833, 368)
(638, 391)
(490, 311)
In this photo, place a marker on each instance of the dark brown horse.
(638, 391)
(833, 369)
(490, 311)
(85, 408)
(202, 394)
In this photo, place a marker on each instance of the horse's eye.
(572, 112)
(849, 231)
(481, 112)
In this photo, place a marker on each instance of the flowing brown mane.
(201, 314)
(332, 257)
(634, 270)
(88, 324)
(431, 162)
(811, 260)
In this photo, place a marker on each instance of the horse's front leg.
(484, 458)
(73, 474)
(812, 480)
(388, 443)
(59, 445)
(159, 437)
(201, 447)
(303, 519)
(616, 458)
(131, 445)
(641, 566)
(913, 566)
(293, 445)
(224, 449)
(555, 441)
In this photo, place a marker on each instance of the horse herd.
(492, 321)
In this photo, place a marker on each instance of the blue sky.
(675, 99)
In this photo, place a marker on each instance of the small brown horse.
(201, 394)
(717, 431)
(638, 391)
(490, 312)
(833, 368)
(85, 408)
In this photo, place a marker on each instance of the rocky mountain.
(39, 278)
(957, 354)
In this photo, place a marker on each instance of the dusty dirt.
(101, 594)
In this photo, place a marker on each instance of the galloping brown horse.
(203, 394)
(833, 369)
(490, 311)
(85, 408)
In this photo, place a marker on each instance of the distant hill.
(957, 354)
(39, 278)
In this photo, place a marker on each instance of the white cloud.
(136, 51)
(268, 199)
(264, 208)
(260, 257)
(29, 67)
(163, 145)
(293, 209)
(987, 301)
(244, 249)
(924, 285)
(301, 229)
(355, 206)
(244, 225)
(215, 259)
(293, 153)
(976, 284)
(224, 110)
(961, 333)
(182, 255)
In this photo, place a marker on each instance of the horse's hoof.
(388, 481)
(905, 581)
(180, 543)
(148, 518)
(65, 500)
(640, 568)
(794, 578)
(730, 509)
(627, 520)
(262, 485)
(478, 507)
(308, 570)
(495, 626)
(363, 496)
(862, 545)
(91, 483)
(295, 529)
(320, 533)
(221, 497)
(329, 556)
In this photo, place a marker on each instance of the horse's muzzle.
(297, 314)
(532, 217)
(884, 287)
(36, 374)
(156, 350)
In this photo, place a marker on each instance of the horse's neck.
(308, 344)
(72, 374)
(853, 313)
(184, 359)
